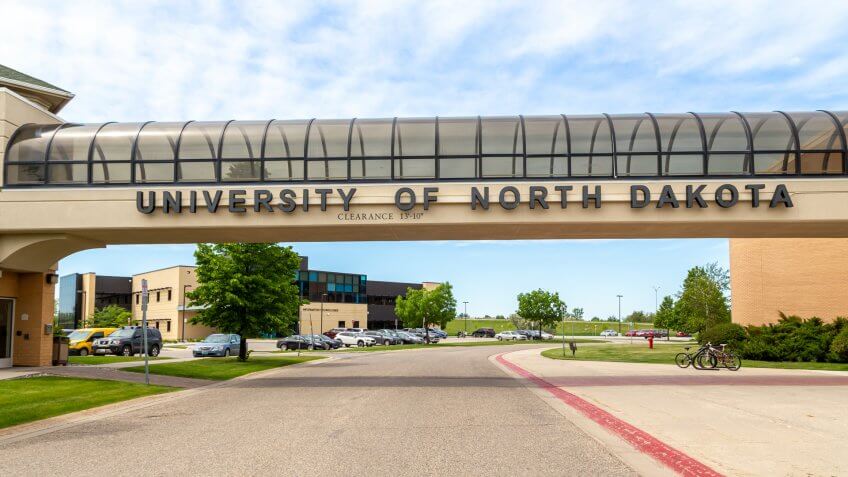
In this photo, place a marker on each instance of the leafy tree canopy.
(430, 307)
(112, 316)
(701, 302)
(541, 306)
(246, 288)
(667, 316)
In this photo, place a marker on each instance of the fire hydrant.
(651, 342)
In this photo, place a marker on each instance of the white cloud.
(261, 59)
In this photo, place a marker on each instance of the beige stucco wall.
(87, 298)
(804, 277)
(166, 299)
(354, 315)
(15, 111)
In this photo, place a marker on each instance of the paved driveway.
(432, 412)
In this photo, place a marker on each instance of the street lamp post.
(562, 319)
(465, 303)
(184, 310)
(619, 313)
(321, 319)
(656, 305)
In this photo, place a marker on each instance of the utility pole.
(465, 303)
(619, 313)
(562, 318)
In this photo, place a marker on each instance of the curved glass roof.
(599, 146)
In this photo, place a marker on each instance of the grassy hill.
(581, 328)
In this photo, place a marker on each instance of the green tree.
(518, 322)
(667, 316)
(423, 307)
(541, 307)
(637, 317)
(701, 302)
(112, 316)
(577, 313)
(246, 288)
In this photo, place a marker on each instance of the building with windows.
(335, 300)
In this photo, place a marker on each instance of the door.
(7, 308)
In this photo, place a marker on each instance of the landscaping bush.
(794, 339)
(729, 333)
(839, 346)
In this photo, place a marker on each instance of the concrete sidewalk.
(749, 422)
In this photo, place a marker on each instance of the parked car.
(423, 334)
(681, 334)
(332, 342)
(350, 338)
(356, 330)
(82, 339)
(631, 333)
(441, 334)
(510, 336)
(483, 333)
(409, 338)
(383, 337)
(127, 341)
(301, 342)
(609, 333)
(332, 333)
(547, 336)
(218, 344)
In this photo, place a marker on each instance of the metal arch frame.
(134, 152)
(262, 150)
(8, 148)
(349, 139)
(523, 147)
(750, 136)
(392, 147)
(177, 169)
(841, 132)
(567, 142)
(795, 137)
(48, 149)
(704, 150)
(306, 149)
(90, 154)
(614, 148)
(219, 152)
(478, 147)
(437, 153)
(659, 142)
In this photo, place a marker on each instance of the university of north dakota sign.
(479, 198)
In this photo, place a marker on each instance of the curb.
(641, 441)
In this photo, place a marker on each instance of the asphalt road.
(420, 412)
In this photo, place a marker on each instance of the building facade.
(81, 294)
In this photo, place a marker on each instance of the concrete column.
(33, 310)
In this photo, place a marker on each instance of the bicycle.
(719, 356)
(684, 359)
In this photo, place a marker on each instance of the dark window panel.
(30, 143)
(241, 170)
(243, 140)
(457, 168)
(114, 142)
(68, 173)
(728, 165)
(546, 166)
(154, 172)
(636, 165)
(332, 170)
(774, 163)
(634, 133)
(110, 173)
(21, 174)
(371, 138)
(511, 166)
(158, 142)
(72, 143)
(683, 164)
(370, 169)
(328, 138)
(501, 136)
(415, 137)
(284, 170)
(200, 171)
(415, 168)
(590, 135)
(545, 135)
(592, 166)
(200, 140)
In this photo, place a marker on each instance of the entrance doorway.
(7, 307)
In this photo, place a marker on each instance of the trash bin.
(60, 350)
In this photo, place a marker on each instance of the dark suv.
(128, 341)
(483, 333)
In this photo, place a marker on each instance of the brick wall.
(804, 277)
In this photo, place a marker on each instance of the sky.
(207, 60)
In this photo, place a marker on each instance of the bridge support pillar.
(26, 318)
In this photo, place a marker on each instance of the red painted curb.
(641, 440)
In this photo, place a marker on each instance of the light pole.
(321, 325)
(465, 304)
(656, 306)
(619, 313)
(184, 310)
(562, 319)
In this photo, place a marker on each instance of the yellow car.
(81, 339)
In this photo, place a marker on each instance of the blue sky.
(130, 61)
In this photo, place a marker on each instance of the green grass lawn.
(30, 399)
(580, 328)
(665, 353)
(94, 359)
(221, 369)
